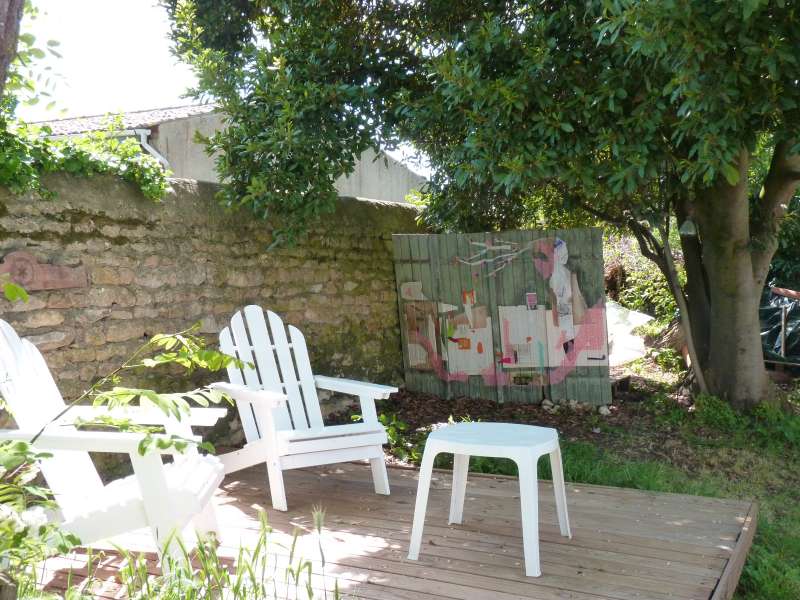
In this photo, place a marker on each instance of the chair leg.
(170, 546)
(460, 472)
(529, 506)
(421, 504)
(380, 477)
(206, 522)
(276, 487)
(560, 492)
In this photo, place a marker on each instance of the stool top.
(496, 435)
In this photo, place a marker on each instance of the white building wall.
(381, 179)
(176, 141)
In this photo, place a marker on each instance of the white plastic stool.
(523, 444)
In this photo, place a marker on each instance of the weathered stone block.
(42, 318)
(52, 340)
(111, 276)
(121, 331)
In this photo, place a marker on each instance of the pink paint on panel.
(436, 360)
(543, 264)
(508, 351)
(590, 336)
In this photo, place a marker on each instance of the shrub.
(645, 288)
(776, 427)
(711, 412)
(669, 359)
(785, 267)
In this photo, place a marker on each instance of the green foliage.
(26, 537)
(669, 360)
(785, 267)
(404, 444)
(12, 291)
(204, 574)
(711, 412)
(648, 291)
(651, 329)
(26, 155)
(772, 571)
(184, 350)
(644, 288)
(584, 102)
(628, 111)
(769, 427)
(777, 427)
(262, 570)
(27, 82)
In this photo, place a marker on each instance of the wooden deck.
(627, 544)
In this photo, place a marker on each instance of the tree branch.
(780, 185)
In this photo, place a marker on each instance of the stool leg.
(460, 470)
(421, 505)
(560, 491)
(529, 505)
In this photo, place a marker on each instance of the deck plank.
(626, 545)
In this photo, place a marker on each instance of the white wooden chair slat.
(235, 375)
(228, 347)
(339, 431)
(326, 444)
(157, 496)
(306, 377)
(24, 386)
(242, 341)
(288, 373)
(305, 440)
(264, 358)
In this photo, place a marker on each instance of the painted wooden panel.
(514, 316)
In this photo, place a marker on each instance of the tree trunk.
(735, 360)
(696, 288)
(10, 17)
(686, 320)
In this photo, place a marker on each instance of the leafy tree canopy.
(636, 111)
(598, 97)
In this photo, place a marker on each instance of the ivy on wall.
(27, 154)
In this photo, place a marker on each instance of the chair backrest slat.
(30, 392)
(306, 377)
(263, 351)
(235, 375)
(282, 365)
(288, 373)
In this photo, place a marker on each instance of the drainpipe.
(144, 134)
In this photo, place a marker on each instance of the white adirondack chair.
(285, 429)
(164, 497)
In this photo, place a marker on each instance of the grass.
(256, 573)
(708, 450)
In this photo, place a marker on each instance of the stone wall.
(161, 267)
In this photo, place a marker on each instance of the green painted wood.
(402, 271)
(431, 260)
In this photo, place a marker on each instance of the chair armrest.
(90, 441)
(243, 393)
(367, 393)
(353, 387)
(144, 415)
